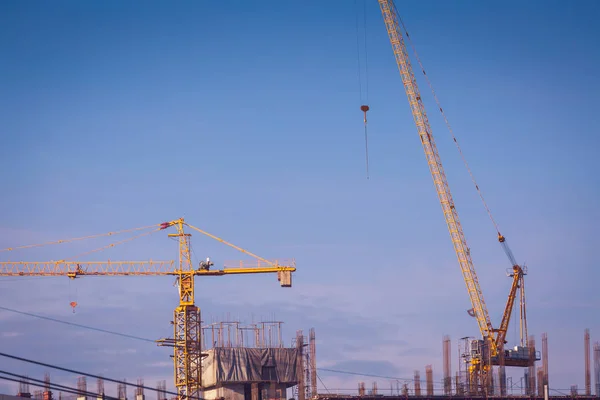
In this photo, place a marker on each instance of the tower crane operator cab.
(205, 265)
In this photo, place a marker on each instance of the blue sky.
(244, 118)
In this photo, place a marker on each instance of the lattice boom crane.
(435, 167)
(492, 351)
(186, 341)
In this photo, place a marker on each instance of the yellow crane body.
(186, 341)
(434, 162)
(490, 350)
(76, 269)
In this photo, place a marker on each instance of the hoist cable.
(501, 238)
(360, 91)
(366, 53)
(364, 98)
(108, 246)
(78, 238)
(449, 127)
(366, 83)
(367, 149)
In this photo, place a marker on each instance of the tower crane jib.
(186, 341)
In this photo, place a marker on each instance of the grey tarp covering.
(240, 364)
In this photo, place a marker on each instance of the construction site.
(252, 363)
(233, 360)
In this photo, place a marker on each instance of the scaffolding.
(597, 367)
(250, 362)
(588, 373)
(266, 334)
(307, 364)
(122, 390)
(139, 390)
(531, 385)
(417, 383)
(545, 360)
(161, 390)
(447, 369)
(100, 387)
(82, 387)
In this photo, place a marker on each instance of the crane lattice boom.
(459, 241)
(75, 269)
(489, 351)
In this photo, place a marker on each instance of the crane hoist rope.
(390, 16)
(364, 100)
(517, 272)
(111, 245)
(501, 238)
(490, 350)
(78, 238)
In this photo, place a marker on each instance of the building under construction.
(534, 384)
(251, 362)
(240, 362)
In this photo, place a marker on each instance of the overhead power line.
(50, 385)
(150, 340)
(77, 325)
(393, 378)
(322, 383)
(91, 375)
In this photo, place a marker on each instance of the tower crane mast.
(489, 351)
(186, 342)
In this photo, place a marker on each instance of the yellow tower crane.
(489, 351)
(186, 342)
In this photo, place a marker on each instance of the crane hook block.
(364, 109)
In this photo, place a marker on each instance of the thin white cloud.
(10, 334)
(112, 351)
(160, 364)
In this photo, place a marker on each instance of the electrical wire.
(150, 340)
(91, 375)
(320, 380)
(71, 390)
(77, 325)
(371, 375)
(50, 385)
